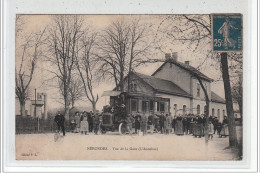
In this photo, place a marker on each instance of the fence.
(27, 125)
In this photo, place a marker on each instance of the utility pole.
(35, 103)
(38, 122)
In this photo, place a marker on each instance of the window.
(213, 112)
(144, 106)
(133, 105)
(198, 90)
(224, 113)
(151, 105)
(39, 96)
(205, 109)
(198, 109)
(133, 87)
(218, 114)
(162, 108)
(175, 109)
(184, 109)
(112, 102)
(166, 106)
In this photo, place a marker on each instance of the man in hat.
(215, 124)
(144, 122)
(90, 121)
(129, 121)
(162, 119)
(137, 123)
(59, 119)
(123, 110)
(96, 122)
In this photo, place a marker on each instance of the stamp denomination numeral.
(217, 42)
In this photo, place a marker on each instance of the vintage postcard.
(129, 87)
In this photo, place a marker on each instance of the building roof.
(216, 98)
(111, 93)
(186, 67)
(163, 86)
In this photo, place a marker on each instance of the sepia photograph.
(129, 87)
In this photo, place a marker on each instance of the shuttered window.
(133, 105)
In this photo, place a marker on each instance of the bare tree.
(27, 55)
(76, 90)
(139, 49)
(195, 32)
(65, 32)
(85, 65)
(122, 46)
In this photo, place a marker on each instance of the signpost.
(35, 111)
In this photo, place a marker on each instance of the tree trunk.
(229, 102)
(206, 132)
(22, 108)
(207, 122)
(121, 84)
(67, 109)
(128, 82)
(66, 114)
(94, 107)
(72, 104)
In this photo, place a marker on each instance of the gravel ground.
(113, 146)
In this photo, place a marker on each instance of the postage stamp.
(227, 32)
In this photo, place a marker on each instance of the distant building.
(41, 106)
(173, 88)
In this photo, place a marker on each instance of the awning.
(111, 93)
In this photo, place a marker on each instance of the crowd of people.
(84, 122)
(196, 125)
(153, 124)
(164, 123)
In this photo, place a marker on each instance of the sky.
(35, 23)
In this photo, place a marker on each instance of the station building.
(172, 88)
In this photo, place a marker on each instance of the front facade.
(173, 88)
(185, 76)
(142, 97)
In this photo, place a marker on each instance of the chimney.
(175, 56)
(187, 62)
(167, 56)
